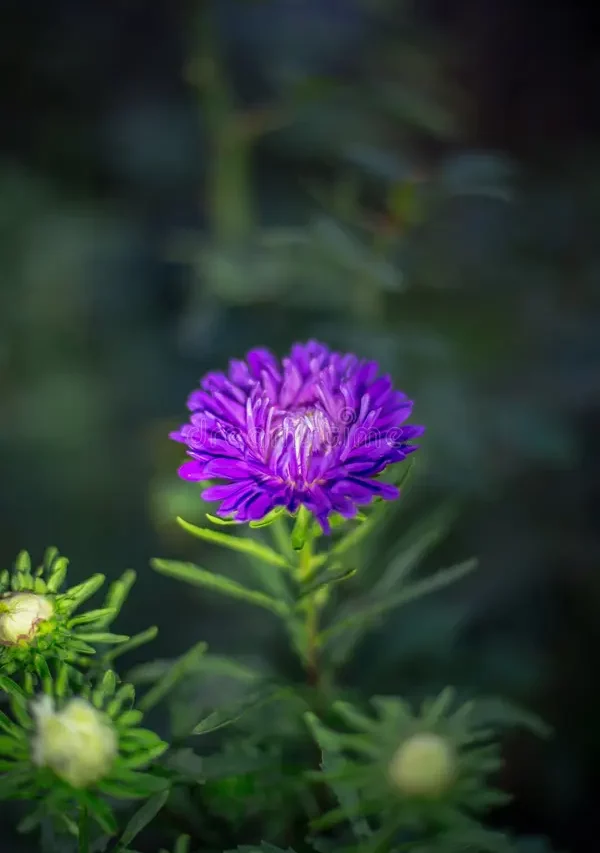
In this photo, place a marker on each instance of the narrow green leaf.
(90, 616)
(224, 765)
(23, 563)
(186, 664)
(420, 540)
(130, 718)
(144, 816)
(325, 737)
(116, 596)
(351, 808)
(32, 820)
(14, 782)
(50, 555)
(7, 745)
(326, 577)
(68, 824)
(353, 538)
(401, 473)
(182, 845)
(108, 684)
(226, 716)
(433, 710)
(139, 784)
(354, 718)
(134, 739)
(186, 764)
(121, 790)
(103, 637)
(144, 673)
(76, 644)
(235, 543)
(273, 581)
(125, 694)
(132, 643)
(145, 757)
(229, 667)
(75, 596)
(58, 574)
(498, 712)
(18, 706)
(100, 811)
(189, 573)
(41, 668)
(12, 688)
(7, 725)
(373, 610)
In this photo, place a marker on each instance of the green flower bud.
(21, 614)
(423, 765)
(77, 743)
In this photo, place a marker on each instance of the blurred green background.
(419, 183)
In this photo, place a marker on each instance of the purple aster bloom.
(314, 429)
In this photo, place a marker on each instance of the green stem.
(84, 835)
(312, 627)
(281, 538)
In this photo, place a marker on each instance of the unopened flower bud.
(423, 765)
(21, 614)
(77, 743)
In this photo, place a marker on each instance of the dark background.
(175, 190)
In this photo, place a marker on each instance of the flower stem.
(312, 627)
(84, 837)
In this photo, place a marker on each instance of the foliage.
(382, 251)
(60, 638)
(401, 780)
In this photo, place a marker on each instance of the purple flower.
(315, 429)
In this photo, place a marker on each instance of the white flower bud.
(77, 743)
(21, 614)
(423, 765)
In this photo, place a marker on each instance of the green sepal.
(221, 522)
(269, 518)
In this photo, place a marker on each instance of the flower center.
(299, 439)
(311, 426)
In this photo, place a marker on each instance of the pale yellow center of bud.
(21, 614)
(77, 743)
(423, 765)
